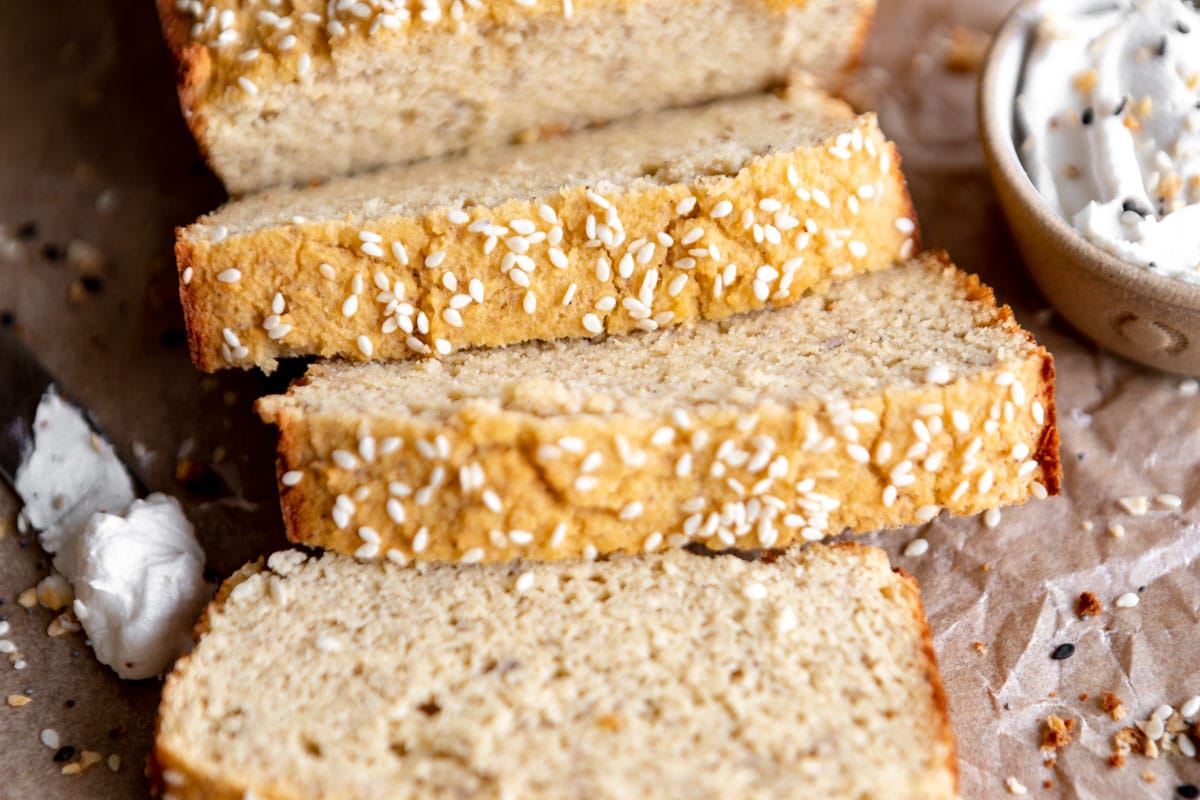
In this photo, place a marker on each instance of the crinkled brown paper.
(92, 148)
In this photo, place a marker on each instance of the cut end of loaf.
(750, 672)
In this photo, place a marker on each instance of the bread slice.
(643, 224)
(895, 395)
(807, 674)
(283, 94)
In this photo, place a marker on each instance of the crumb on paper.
(1057, 732)
(980, 647)
(1112, 705)
(1137, 505)
(28, 598)
(966, 49)
(1116, 530)
(1088, 605)
(1014, 786)
(19, 700)
(1149, 777)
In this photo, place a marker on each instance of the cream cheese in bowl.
(1109, 125)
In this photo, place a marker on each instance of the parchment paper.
(92, 149)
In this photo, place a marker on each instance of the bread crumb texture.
(284, 93)
(893, 396)
(642, 225)
(671, 675)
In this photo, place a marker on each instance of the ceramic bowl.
(1146, 317)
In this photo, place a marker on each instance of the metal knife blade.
(23, 383)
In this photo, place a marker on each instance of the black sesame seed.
(1087, 116)
(69, 704)
(1137, 208)
(1120, 107)
(65, 753)
(27, 231)
(52, 252)
(7, 318)
(93, 284)
(1183, 28)
(1162, 47)
(1188, 790)
(1063, 651)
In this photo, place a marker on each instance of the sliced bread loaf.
(639, 225)
(807, 674)
(893, 396)
(285, 93)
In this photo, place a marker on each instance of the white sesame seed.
(529, 304)
(443, 346)
(435, 259)
(420, 540)
(395, 510)
(492, 501)
(452, 317)
(519, 537)
(247, 85)
(1172, 501)
(721, 210)
(986, 480)
(1128, 600)
(592, 324)
(525, 582)
(457, 216)
(558, 258)
(927, 513)
(1189, 387)
(1190, 708)
(547, 214)
(350, 306)
(631, 511)
(327, 271)
(229, 275)
(905, 225)
(586, 483)
(858, 453)
(399, 252)
(991, 518)
(917, 547)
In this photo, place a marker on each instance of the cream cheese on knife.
(1110, 112)
(135, 565)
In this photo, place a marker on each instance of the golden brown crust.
(197, 318)
(912, 596)
(193, 67)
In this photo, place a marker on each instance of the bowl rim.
(990, 105)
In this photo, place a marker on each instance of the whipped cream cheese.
(1109, 109)
(135, 565)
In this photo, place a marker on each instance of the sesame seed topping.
(917, 547)
(420, 540)
(229, 275)
(927, 513)
(350, 306)
(1127, 600)
(364, 346)
(721, 210)
(435, 259)
(631, 511)
(247, 85)
(525, 582)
